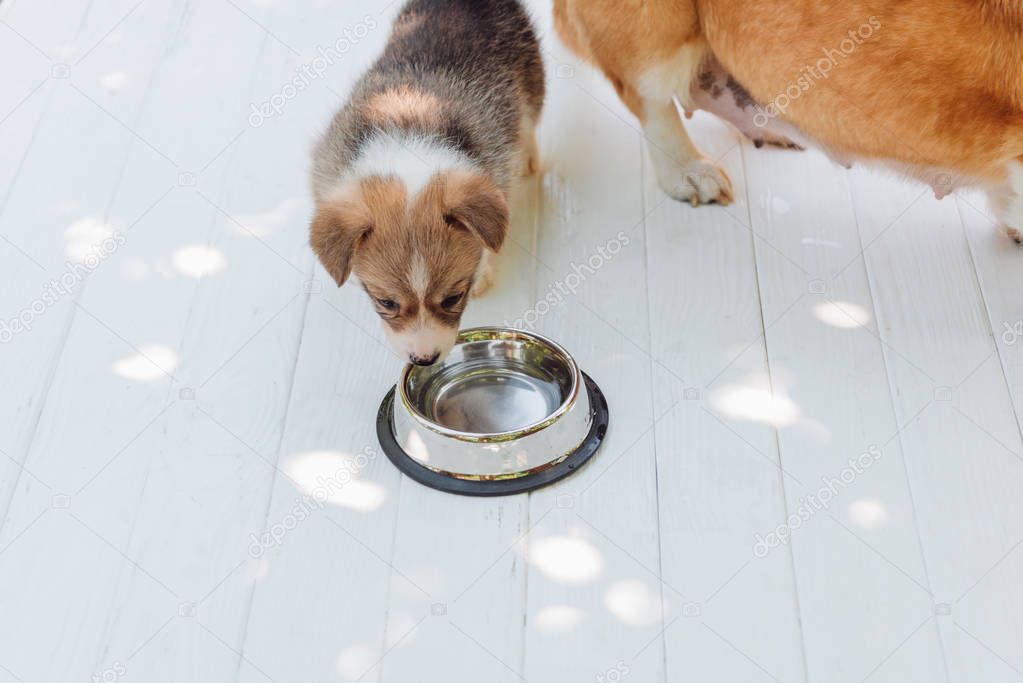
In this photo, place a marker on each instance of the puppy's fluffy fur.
(411, 178)
(934, 89)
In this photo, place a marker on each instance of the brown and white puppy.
(931, 87)
(411, 179)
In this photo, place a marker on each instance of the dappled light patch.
(756, 404)
(333, 478)
(633, 602)
(843, 314)
(868, 513)
(151, 362)
(197, 261)
(566, 559)
(557, 618)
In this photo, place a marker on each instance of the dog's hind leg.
(683, 172)
(1007, 201)
(651, 63)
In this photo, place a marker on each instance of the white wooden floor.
(189, 483)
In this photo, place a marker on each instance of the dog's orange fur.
(938, 85)
(404, 107)
(625, 37)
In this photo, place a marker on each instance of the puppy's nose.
(424, 360)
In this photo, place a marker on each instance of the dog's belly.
(896, 83)
(717, 92)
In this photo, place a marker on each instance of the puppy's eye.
(452, 301)
(387, 304)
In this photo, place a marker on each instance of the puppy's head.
(416, 256)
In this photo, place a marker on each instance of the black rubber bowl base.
(495, 487)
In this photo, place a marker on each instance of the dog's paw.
(484, 280)
(530, 166)
(699, 181)
(1015, 235)
(530, 159)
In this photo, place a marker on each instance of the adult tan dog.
(933, 87)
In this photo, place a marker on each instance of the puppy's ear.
(474, 203)
(338, 226)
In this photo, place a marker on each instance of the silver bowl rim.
(493, 332)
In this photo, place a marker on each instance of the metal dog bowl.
(507, 411)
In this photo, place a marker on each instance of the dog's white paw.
(530, 157)
(484, 279)
(530, 166)
(1012, 211)
(699, 181)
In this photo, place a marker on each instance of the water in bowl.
(494, 399)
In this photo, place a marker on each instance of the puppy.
(933, 88)
(411, 179)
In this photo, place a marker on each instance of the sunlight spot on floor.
(84, 239)
(868, 513)
(115, 81)
(779, 205)
(558, 618)
(150, 362)
(566, 558)
(333, 477)
(199, 260)
(756, 404)
(267, 222)
(355, 661)
(841, 314)
(633, 602)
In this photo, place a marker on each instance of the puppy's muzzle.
(424, 360)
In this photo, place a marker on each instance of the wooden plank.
(105, 414)
(719, 482)
(963, 454)
(461, 552)
(27, 360)
(321, 594)
(997, 273)
(25, 94)
(209, 485)
(594, 598)
(860, 558)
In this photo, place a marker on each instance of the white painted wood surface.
(171, 422)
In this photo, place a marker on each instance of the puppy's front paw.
(484, 280)
(530, 158)
(1015, 234)
(699, 181)
(530, 166)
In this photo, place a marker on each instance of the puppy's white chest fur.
(412, 159)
